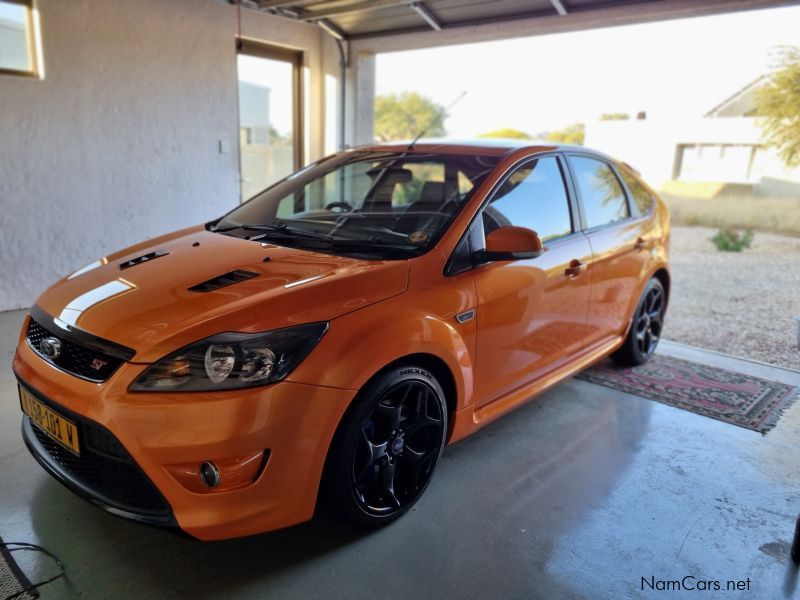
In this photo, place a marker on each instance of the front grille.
(74, 358)
(105, 468)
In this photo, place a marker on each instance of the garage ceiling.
(353, 19)
(356, 19)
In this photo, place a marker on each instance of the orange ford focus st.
(327, 338)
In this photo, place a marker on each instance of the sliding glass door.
(270, 115)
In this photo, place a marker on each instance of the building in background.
(13, 39)
(265, 155)
(718, 153)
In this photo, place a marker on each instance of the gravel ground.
(741, 304)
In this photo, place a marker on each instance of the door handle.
(640, 244)
(574, 269)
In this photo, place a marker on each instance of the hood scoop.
(143, 258)
(221, 281)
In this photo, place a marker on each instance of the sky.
(670, 69)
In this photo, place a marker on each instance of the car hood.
(149, 307)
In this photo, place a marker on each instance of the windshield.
(376, 205)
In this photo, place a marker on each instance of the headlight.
(232, 360)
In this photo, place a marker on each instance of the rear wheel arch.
(661, 273)
(663, 276)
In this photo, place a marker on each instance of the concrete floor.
(579, 494)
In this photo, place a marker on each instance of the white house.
(724, 146)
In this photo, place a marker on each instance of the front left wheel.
(387, 447)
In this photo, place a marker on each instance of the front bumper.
(294, 422)
(114, 483)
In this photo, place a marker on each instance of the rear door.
(619, 242)
(531, 313)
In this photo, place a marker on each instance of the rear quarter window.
(642, 197)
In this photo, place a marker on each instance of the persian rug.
(736, 398)
(12, 579)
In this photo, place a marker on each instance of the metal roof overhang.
(359, 19)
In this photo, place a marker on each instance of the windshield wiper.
(284, 230)
(373, 246)
(279, 229)
(234, 227)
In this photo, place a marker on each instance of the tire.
(387, 446)
(646, 326)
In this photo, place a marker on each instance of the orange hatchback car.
(327, 338)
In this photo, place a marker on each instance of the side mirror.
(511, 243)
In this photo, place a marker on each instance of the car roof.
(491, 146)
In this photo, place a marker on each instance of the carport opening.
(701, 134)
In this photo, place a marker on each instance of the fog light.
(220, 474)
(209, 474)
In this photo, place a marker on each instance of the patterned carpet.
(12, 580)
(724, 395)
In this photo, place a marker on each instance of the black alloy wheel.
(398, 448)
(646, 326)
(650, 321)
(388, 446)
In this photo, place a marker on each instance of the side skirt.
(469, 419)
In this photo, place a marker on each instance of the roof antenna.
(428, 126)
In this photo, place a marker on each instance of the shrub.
(731, 240)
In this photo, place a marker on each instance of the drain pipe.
(341, 39)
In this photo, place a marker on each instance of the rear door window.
(600, 191)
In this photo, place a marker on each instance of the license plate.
(53, 424)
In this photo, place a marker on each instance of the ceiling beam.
(356, 7)
(332, 29)
(560, 7)
(427, 14)
(268, 4)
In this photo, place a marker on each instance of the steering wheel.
(344, 206)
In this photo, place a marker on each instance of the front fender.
(360, 344)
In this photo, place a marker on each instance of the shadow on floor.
(138, 551)
(501, 499)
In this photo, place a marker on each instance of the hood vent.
(143, 258)
(223, 280)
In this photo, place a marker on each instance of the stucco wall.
(121, 141)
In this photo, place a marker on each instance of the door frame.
(294, 57)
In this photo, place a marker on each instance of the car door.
(531, 314)
(619, 243)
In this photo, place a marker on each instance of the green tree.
(615, 116)
(404, 116)
(507, 133)
(572, 134)
(778, 105)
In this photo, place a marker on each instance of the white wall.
(650, 146)
(121, 140)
